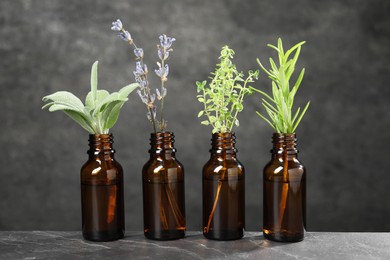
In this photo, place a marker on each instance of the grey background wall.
(49, 45)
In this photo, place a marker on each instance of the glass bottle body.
(223, 191)
(102, 201)
(163, 191)
(284, 197)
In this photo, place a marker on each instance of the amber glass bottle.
(163, 190)
(284, 192)
(223, 191)
(102, 201)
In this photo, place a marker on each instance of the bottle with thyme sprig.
(223, 174)
(163, 174)
(284, 187)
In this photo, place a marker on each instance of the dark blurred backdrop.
(50, 45)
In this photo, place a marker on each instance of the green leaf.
(296, 115)
(263, 68)
(212, 119)
(266, 104)
(80, 119)
(205, 122)
(293, 48)
(94, 80)
(101, 111)
(111, 114)
(200, 113)
(60, 107)
(300, 117)
(297, 83)
(65, 98)
(125, 91)
(263, 93)
(265, 119)
(91, 102)
(113, 97)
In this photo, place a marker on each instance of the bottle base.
(164, 235)
(282, 237)
(224, 235)
(103, 236)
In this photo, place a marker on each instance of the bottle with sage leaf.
(224, 175)
(284, 186)
(102, 201)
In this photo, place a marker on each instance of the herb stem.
(146, 90)
(162, 123)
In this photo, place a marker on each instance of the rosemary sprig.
(279, 105)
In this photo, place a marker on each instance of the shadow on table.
(248, 245)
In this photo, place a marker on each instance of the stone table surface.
(70, 245)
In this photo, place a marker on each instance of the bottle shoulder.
(223, 168)
(276, 170)
(101, 171)
(159, 170)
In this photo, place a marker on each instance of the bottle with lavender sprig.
(163, 174)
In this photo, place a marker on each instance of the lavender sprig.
(163, 50)
(141, 73)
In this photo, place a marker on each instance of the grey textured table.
(70, 245)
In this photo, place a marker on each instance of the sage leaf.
(101, 110)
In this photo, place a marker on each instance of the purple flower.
(117, 26)
(163, 54)
(125, 36)
(140, 69)
(164, 93)
(152, 98)
(143, 98)
(166, 42)
(162, 72)
(149, 115)
(166, 70)
(139, 53)
(143, 83)
(164, 90)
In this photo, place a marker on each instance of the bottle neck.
(223, 144)
(284, 145)
(101, 144)
(161, 144)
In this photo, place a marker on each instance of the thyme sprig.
(223, 98)
(279, 106)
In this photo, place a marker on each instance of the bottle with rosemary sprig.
(223, 174)
(284, 187)
(163, 174)
(102, 202)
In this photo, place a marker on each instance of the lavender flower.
(139, 53)
(163, 54)
(166, 42)
(143, 97)
(126, 36)
(159, 95)
(140, 69)
(152, 98)
(162, 72)
(164, 92)
(141, 74)
(149, 115)
(117, 26)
